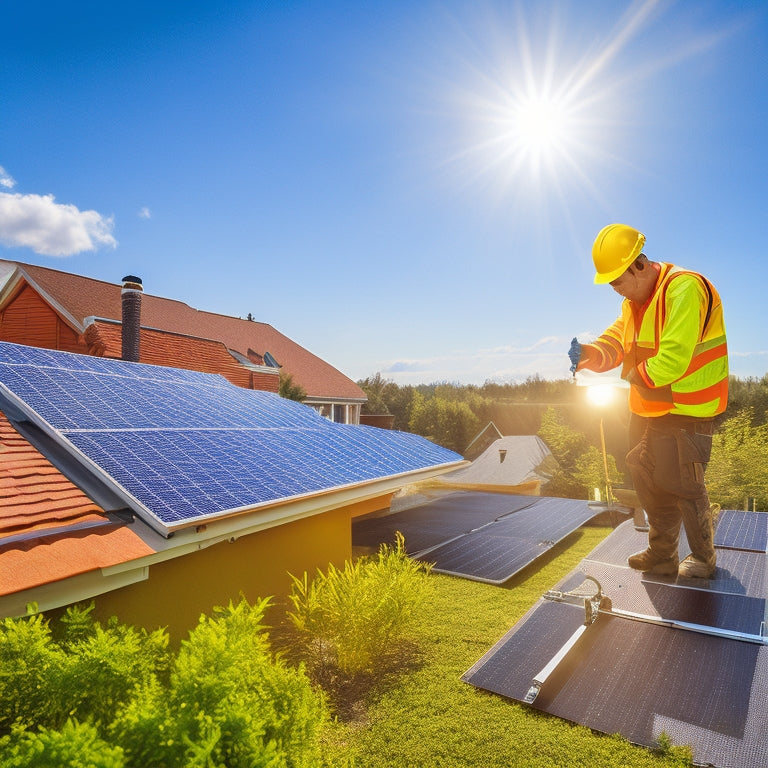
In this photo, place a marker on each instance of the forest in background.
(560, 413)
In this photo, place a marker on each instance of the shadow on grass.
(350, 695)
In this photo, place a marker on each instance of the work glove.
(574, 353)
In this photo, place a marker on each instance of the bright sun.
(540, 125)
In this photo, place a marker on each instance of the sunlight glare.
(601, 394)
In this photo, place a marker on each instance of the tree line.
(453, 414)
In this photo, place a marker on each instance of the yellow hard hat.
(615, 248)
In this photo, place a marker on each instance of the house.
(518, 464)
(51, 309)
(161, 492)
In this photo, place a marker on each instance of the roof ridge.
(23, 266)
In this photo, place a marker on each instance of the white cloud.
(6, 180)
(145, 213)
(51, 228)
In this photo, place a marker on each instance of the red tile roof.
(49, 529)
(180, 351)
(84, 297)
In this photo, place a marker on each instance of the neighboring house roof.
(517, 463)
(78, 298)
(49, 529)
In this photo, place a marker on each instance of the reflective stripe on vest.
(703, 389)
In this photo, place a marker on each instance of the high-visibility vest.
(673, 349)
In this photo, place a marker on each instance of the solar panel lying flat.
(182, 447)
(438, 520)
(480, 536)
(740, 531)
(496, 552)
(700, 673)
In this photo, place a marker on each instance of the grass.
(419, 712)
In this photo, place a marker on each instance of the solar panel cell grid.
(186, 446)
(736, 530)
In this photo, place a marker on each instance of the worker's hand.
(574, 353)
(584, 356)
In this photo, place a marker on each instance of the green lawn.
(426, 716)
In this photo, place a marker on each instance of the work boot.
(693, 568)
(650, 562)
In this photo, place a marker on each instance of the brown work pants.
(667, 465)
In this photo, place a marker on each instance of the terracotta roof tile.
(84, 297)
(41, 513)
(179, 351)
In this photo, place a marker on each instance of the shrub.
(31, 665)
(347, 618)
(76, 745)
(229, 703)
(104, 664)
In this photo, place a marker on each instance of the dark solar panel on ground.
(481, 536)
(498, 551)
(438, 520)
(639, 679)
(739, 531)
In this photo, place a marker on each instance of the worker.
(670, 341)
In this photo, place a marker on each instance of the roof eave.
(88, 585)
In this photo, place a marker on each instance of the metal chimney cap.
(132, 279)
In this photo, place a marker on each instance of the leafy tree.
(76, 744)
(589, 470)
(449, 423)
(223, 699)
(346, 620)
(376, 389)
(289, 389)
(581, 465)
(749, 393)
(738, 468)
(229, 703)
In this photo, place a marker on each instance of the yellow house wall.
(257, 566)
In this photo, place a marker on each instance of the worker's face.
(633, 285)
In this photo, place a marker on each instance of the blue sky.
(409, 187)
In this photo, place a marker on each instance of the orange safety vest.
(675, 359)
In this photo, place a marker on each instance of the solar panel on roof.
(183, 447)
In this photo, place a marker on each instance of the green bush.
(76, 745)
(347, 618)
(31, 667)
(85, 672)
(229, 703)
(104, 664)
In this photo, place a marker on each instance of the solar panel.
(742, 530)
(497, 551)
(183, 447)
(438, 520)
(700, 673)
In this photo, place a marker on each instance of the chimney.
(131, 298)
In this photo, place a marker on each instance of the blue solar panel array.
(189, 446)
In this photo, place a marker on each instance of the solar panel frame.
(494, 553)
